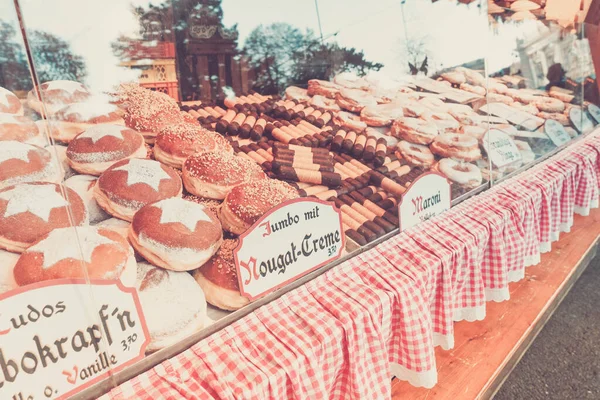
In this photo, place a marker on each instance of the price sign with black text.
(288, 242)
(594, 111)
(59, 337)
(556, 132)
(428, 196)
(500, 148)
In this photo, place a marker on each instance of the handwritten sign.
(59, 337)
(556, 132)
(500, 148)
(428, 196)
(594, 111)
(288, 242)
(580, 120)
(513, 115)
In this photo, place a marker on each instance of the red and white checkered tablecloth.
(342, 335)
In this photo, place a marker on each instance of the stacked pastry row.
(148, 214)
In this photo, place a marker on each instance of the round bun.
(176, 143)
(466, 175)
(100, 146)
(219, 281)
(30, 210)
(7, 276)
(77, 117)
(22, 162)
(174, 305)
(9, 103)
(148, 112)
(129, 185)
(21, 129)
(459, 146)
(246, 203)
(83, 185)
(56, 95)
(115, 225)
(214, 174)
(176, 234)
(81, 252)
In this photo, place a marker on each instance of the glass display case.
(141, 141)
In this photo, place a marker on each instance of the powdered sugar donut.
(349, 121)
(474, 130)
(416, 154)
(22, 162)
(382, 114)
(351, 81)
(500, 98)
(115, 225)
(246, 203)
(129, 185)
(521, 96)
(21, 129)
(467, 87)
(176, 143)
(214, 174)
(30, 210)
(174, 305)
(9, 103)
(459, 146)
(219, 281)
(354, 100)
(83, 185)
(560, 95)
(55, 95)
(81, 252)
(100, 146)
(327, 89)
(296, 93)
(176, 234)
(549, 105)
(76, 118)
(7, 265)
(414, 130)
(466, 175)
(325, 103)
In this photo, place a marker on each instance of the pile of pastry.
(157, 199)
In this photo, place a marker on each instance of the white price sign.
(556, 132)
(55, 341)
(288, 242)
(594, 111)
(580, 120)
(428, 196)
(500, 148)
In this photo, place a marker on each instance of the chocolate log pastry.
(330, 179)
(379, 211)
(366, 213)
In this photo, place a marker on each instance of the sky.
(454, 33)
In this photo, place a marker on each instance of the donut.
(115, 225)
(528, 108)
(459, 146)
(434, 104)
(176, 234)
(349, 121)
(246, 203)
(128, 185)
(77, 117)
(7, 265)
(148, 112)
(414, 109)
(83, 185)
(10, 103)
(416, 154)
(21, 129)
(317, 87)
(562, 96)
(499, 98)
(83, 252)
(474, 130)
(497, 87)
(354, 100)
(467, 87)
(466, 175)
(219, 280)
(350, 81)
(325, 103)
(454, 77)
(561, 118)
(176, 143)
(22, 162)
(296, 93)
(100, 146)
(55, 95)
(214, 174)
(549, 104)
(382, 114)
(212, 205)
(173, 304)
(29, 211)
(522, 97)
(414, 130)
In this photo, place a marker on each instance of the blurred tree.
(284, 55)
(14, 72)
